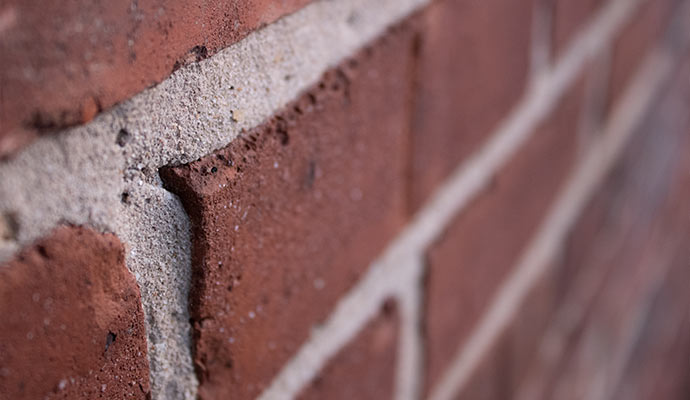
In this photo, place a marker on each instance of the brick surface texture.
(353, 244)
(267, 262)
(73, 326)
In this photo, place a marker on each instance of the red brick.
(634, 225)
(64, 61)
(569, 17)
(472, 68)
(652, 218)
(634, 41)
(473, 257)
(659, 364)
(364, 368)
(287, 217)
(73, 325)
(601, 340)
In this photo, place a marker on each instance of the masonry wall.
(450, 199)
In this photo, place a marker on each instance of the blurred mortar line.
(592, 169)
(467, 181)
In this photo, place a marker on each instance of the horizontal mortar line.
(583, 183)
(268, 69)
(390, 270)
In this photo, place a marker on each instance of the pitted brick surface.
(287, 217)
(73, 326)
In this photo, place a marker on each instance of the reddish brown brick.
(365, 368)
(568, 18)
(472, 68)
(474, 255)
(64, 61)
(651, 225)
(288, 216)
(634, 226)
(73, 325)
(562, 334)
(603, 338)
(634, 41)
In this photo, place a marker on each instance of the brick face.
(474, 255)
(73, 326)
(472, 68)
(365, 368)
(86, 56)
(288, 216)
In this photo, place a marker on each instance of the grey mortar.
(79, 176)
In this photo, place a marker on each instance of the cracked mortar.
(105, 174)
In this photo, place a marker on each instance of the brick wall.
(449, 199)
